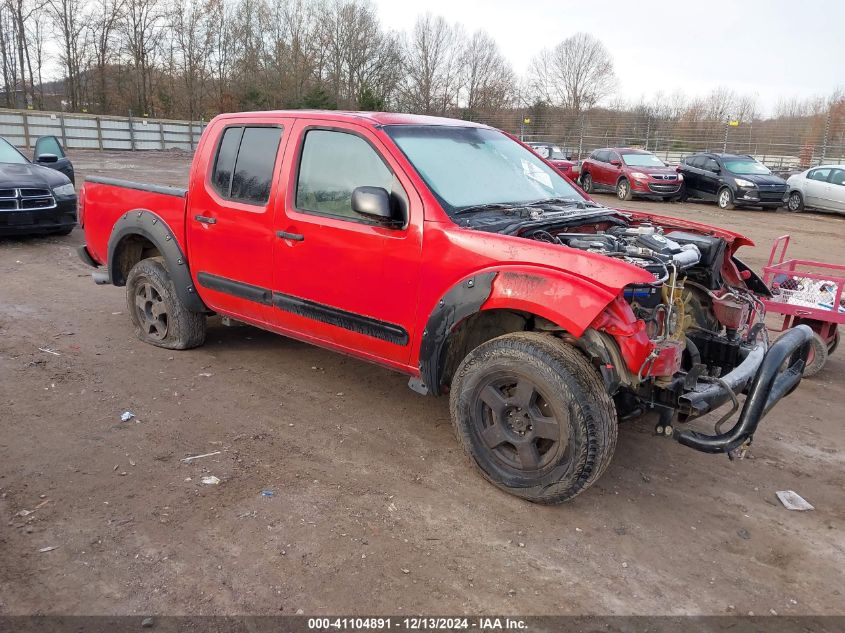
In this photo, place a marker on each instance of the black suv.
(731, 180)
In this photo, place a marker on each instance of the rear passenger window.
(332, 165)
(243, 168)
(819, 174)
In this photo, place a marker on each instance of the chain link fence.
(783, 145)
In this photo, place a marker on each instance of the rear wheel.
(158, 314)
(725, 199)
(534, 416)
(623, 189)
(795, 202)
(587, 183)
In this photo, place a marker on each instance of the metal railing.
(88, 131)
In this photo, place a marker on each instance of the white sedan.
(818, 188)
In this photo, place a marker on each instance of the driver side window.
(331, 166)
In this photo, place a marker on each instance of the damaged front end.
(692, 340)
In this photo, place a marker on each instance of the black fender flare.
(462, 300)
(150, 226)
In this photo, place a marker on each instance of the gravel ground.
(374, 508)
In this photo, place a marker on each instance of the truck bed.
(113, 198)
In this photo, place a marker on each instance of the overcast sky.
(767, 48)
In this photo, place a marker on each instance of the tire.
(725, 199)
(507, 384)
(587, 183)
(683, 196)
(159, 316)
(795, 202)
(623, 189)
(817, 358)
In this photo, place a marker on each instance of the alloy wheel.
(151, 310)
(517, 425)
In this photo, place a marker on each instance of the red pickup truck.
(454, 254)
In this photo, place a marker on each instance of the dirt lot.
(375, 510)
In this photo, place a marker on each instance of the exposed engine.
(688, 300)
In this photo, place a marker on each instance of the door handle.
(205, 219)
(296, 237)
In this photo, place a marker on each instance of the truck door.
(230, 217)
(341, 278)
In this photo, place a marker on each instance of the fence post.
(99, 133)
(191, 134)
(647, 131)
(64, 133)
(581, 138)
(25, 118)
(161, 133)
(131, 133)
(826, 133)
(725, 145)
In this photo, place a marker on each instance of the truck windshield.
(746, 167)
(469, 167)
(642, 160)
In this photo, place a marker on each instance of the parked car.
(34, 198)
(559, 158)
(732, 180)
(629, 173)
(448, 251)
(818, 188)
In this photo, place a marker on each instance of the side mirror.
(616, 162)
(373, 202)
(46, 158)
(716, 170)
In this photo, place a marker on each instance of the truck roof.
(372, 118)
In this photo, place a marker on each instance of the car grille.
(29, 199)
(664, 176)
(664, 188)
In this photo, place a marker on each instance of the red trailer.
(808, 292)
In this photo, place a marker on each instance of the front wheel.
(587, 183)
(534, 416)
(725, 199)
(623, 189)
(795, 202)
(158, 314)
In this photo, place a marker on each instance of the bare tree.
(70, 22)
(192, 26)
(358, 54)
(488, 81)
(104, 21)
(21, 13)
(431, 54)
(576, 74)
(141, 31)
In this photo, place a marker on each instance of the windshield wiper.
(486, 207)
(563, 202)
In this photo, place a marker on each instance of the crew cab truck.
(450, 252)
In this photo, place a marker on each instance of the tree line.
(191, 59)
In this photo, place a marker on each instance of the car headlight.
(680, 177)
(65, 190)
(742, 182)
(638, 175)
